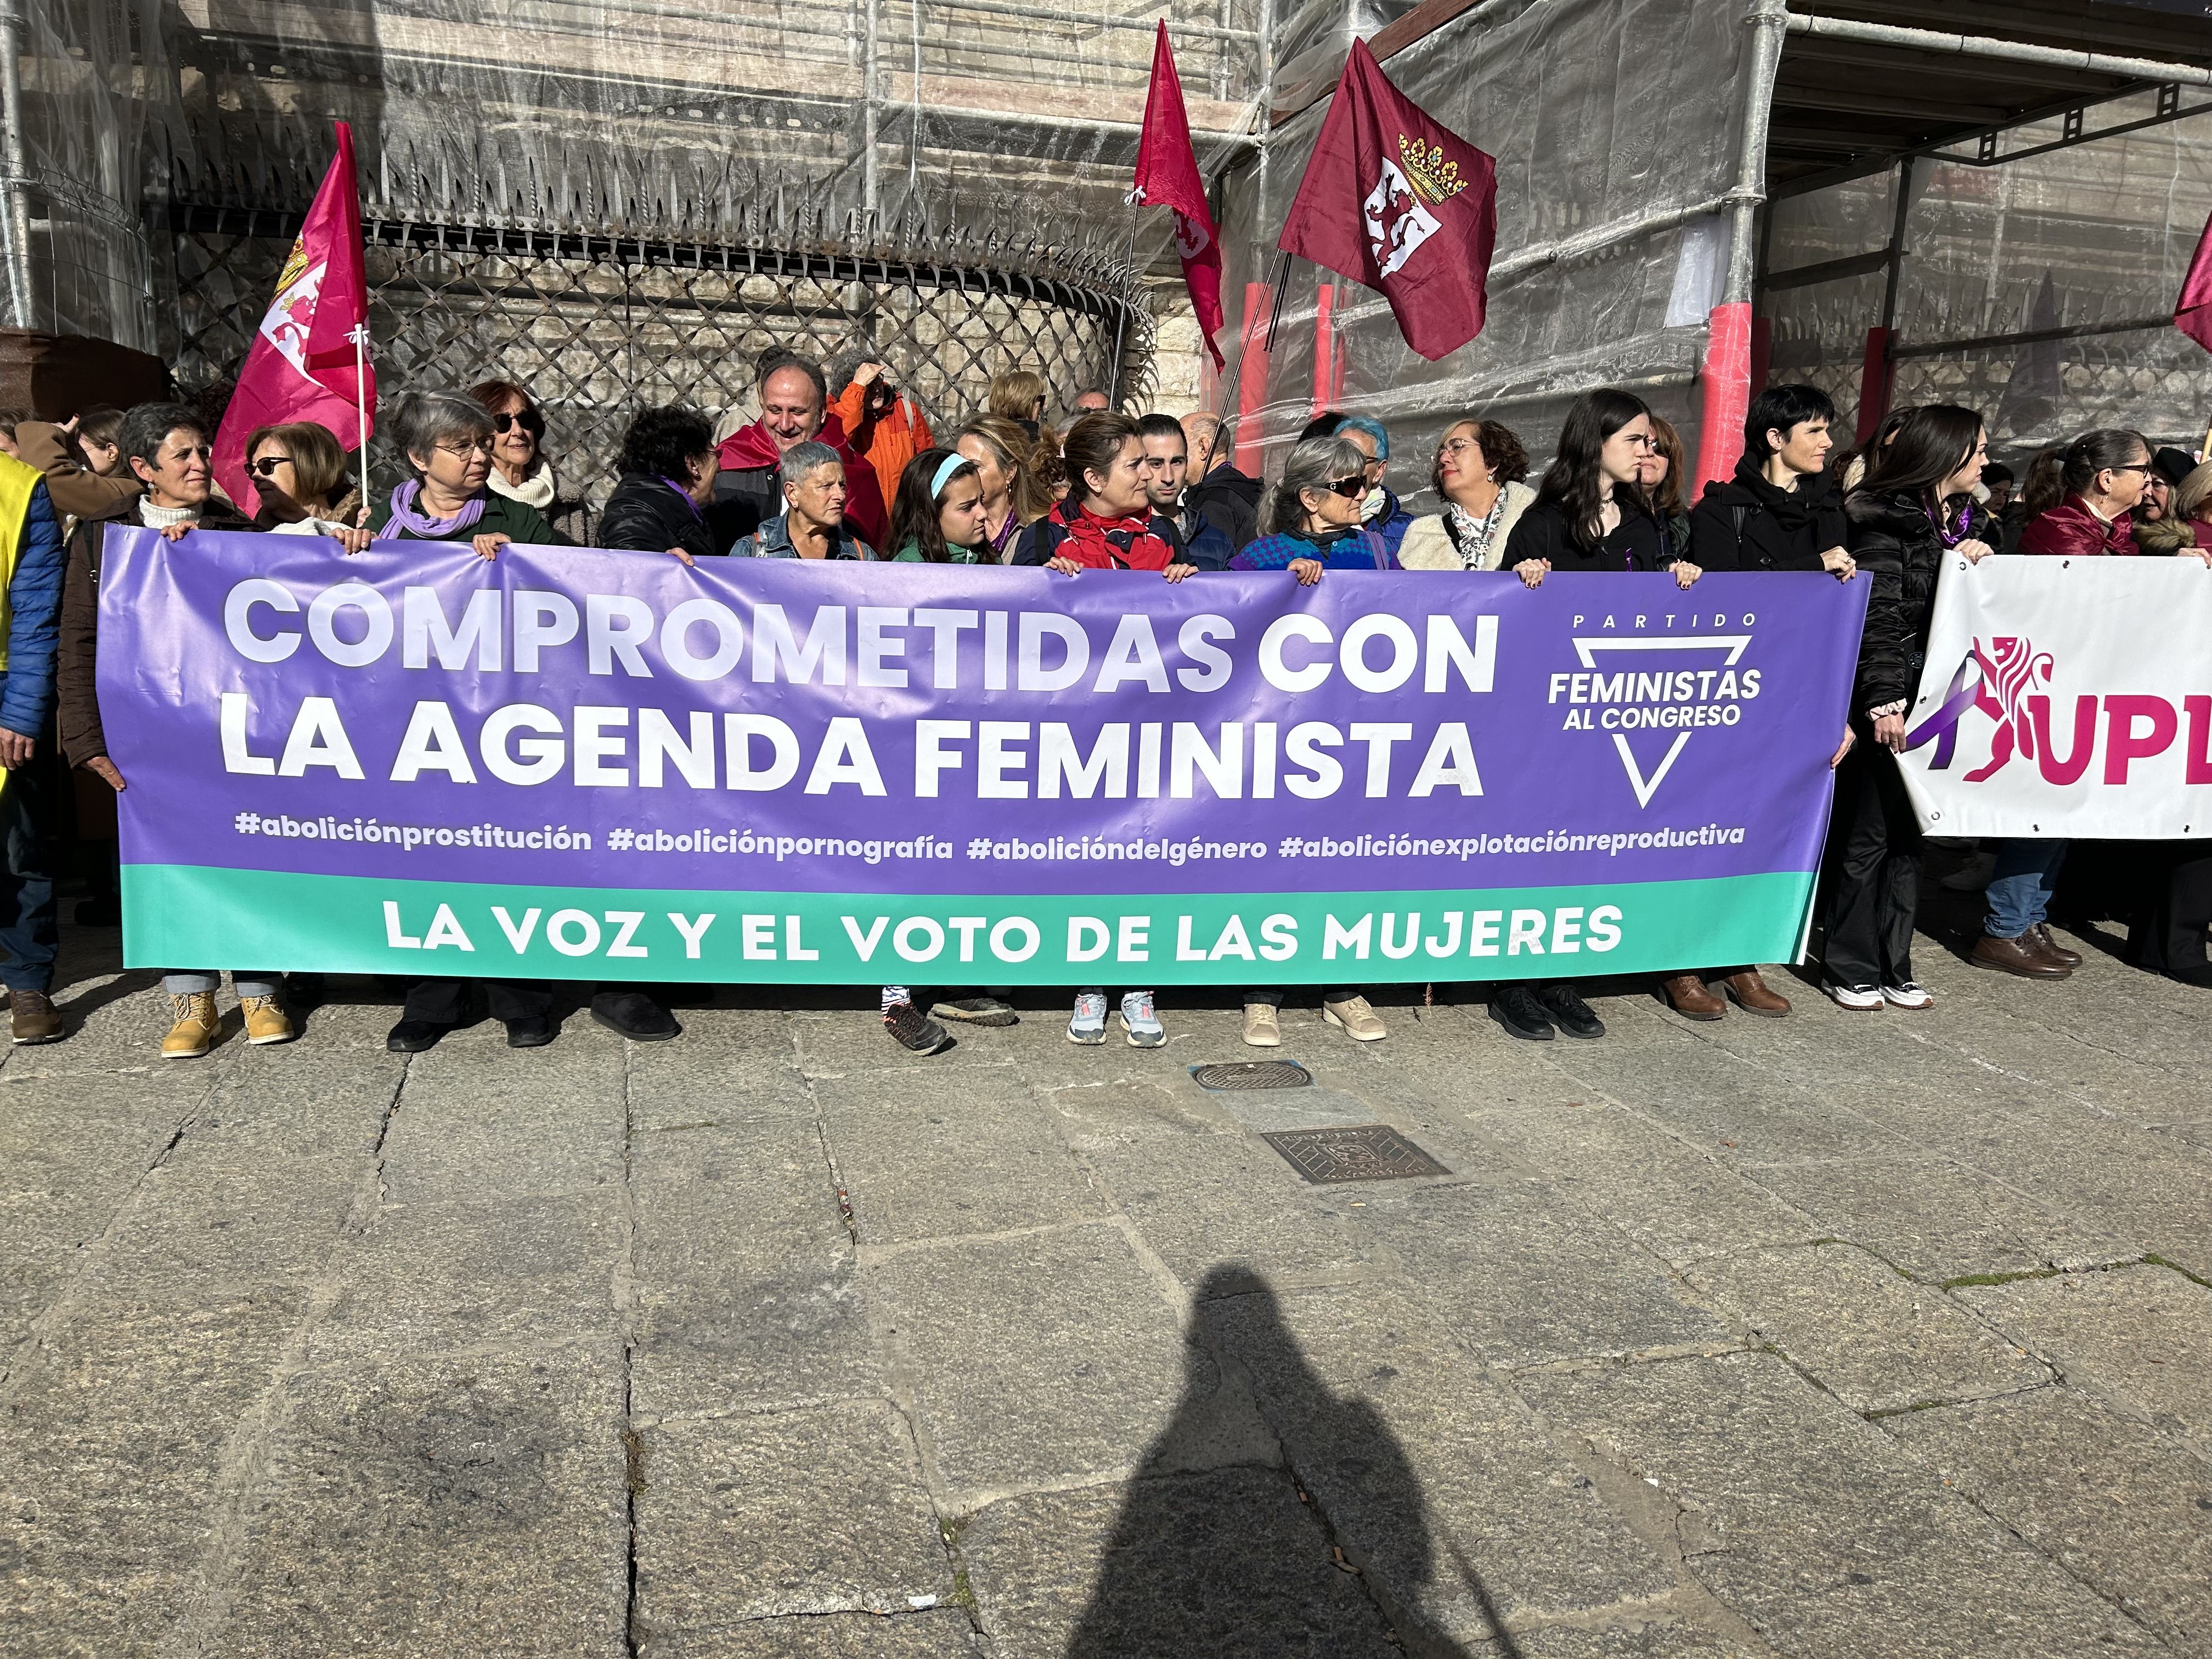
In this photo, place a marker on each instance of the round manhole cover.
(1253, 1074)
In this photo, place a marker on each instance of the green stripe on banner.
(194, 916)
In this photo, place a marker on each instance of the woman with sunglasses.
(1312, 520)
(1310, 523)
(448, 442)
(294, 468)
(519, 468)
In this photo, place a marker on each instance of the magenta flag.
(2193, 311)
(1167, 174)
(306, 363)
(1395, 200)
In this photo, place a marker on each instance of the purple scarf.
(424, 528)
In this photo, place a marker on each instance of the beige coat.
(1428, 546)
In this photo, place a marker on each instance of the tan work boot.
(265, 1020)
(1361, 1022)
(1261, 1028)
(197, 1026)
(33, 1017)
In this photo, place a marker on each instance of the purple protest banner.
(575, 763)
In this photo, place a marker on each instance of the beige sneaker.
(265, 1020)
(197, 1026)
(1261, 1029)
(1360, 1023)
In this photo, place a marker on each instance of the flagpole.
(1237, 374)
(360, 407)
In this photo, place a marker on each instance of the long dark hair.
(913, 511)
(1932, 442)
(2057, 473)
(1571, 483)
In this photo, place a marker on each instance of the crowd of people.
(857, 472)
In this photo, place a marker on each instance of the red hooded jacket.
(751, 449)
(2071, 529)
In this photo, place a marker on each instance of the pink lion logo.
(2011, 668)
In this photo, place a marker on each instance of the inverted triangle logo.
(1646, 788)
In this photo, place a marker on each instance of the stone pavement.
(1837, 1335)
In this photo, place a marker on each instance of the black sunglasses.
(1351, 489)
(529, 420)
(267, 465)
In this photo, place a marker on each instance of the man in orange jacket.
(882, 425)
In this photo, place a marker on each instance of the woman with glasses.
(448, 444)
(1312, 521)
(2080, 498)
(294, 468)
(1478, 471)
(519, 468)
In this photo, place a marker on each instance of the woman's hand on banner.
(354, 541)
(1889, 733)
(175, 532)
(1532, 572)
(1308, 571)
(682, 558)
(104, 768)
(488, 545)
(1840, 565)
(2201, 555)
(1065, 566)
(1973, 552)
(1175, 573)
(1686, 573)
(1850, 738)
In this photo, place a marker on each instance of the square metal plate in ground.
(1366, 1152)
(1252, 1074)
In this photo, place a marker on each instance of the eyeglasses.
(1640, 441)
(1456, 447)
(1350, 489)
(481, 447)
(529, 420)
(267, 465)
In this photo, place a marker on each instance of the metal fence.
(599, 325)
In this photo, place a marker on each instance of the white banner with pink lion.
(2066, 697)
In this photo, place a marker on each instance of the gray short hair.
(421, 421)
(146, 427)
(801, 460)
(1314, 464)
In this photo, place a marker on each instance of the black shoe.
(414, 1036)
(534, 1032)
(912, 1029)
(1569, 1011)
(303, 992)
(636, 1016)
(1515, 1008)
(976, 1010)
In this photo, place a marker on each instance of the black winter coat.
(646, 515)
(1231, 502)
(1898, 551)
(1745, 523)
(750, 497)
(1639, 542)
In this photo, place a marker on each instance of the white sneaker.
(1859, 998)
(1262, 1029)
(1908, 995)
(1360, 1020)
(1141, 1022)
(1087, 1024)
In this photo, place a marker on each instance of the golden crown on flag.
(1433, 178)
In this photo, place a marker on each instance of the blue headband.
(946, 469)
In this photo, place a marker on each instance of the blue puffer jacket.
(34, 604)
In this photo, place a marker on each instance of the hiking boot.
(1569, 1011)
(1688, 995)
(265, 1020)
(1141, 1022)
(915, 1031)
(1087, 1024)
(1357, 1018)
(976, 1010)
(195, 1028)
(33, 1017)
(1752, 994)
(1262, 1028)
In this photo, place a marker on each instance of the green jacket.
(911, 553)
(517, 521)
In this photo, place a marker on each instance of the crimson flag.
(1167, 174)
(302, 363)
(2193, 311)
(1394, 200)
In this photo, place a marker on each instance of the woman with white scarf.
(520, 470)
(1479, 469)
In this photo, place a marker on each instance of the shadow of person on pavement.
(1273, 1517)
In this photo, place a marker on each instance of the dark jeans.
(450, 1002)
(2166, 933)
(29, 930)
(1872, 876)
(2020, 886)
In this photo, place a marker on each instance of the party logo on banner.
(1652, 690)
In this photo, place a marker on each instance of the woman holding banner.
(1591, 513)
(447, 443)
(1914, 508)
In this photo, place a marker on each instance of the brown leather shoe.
(1689, 996)
(33, 1017)
(2051, 948)
(2016, 956)
(1750, 993)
